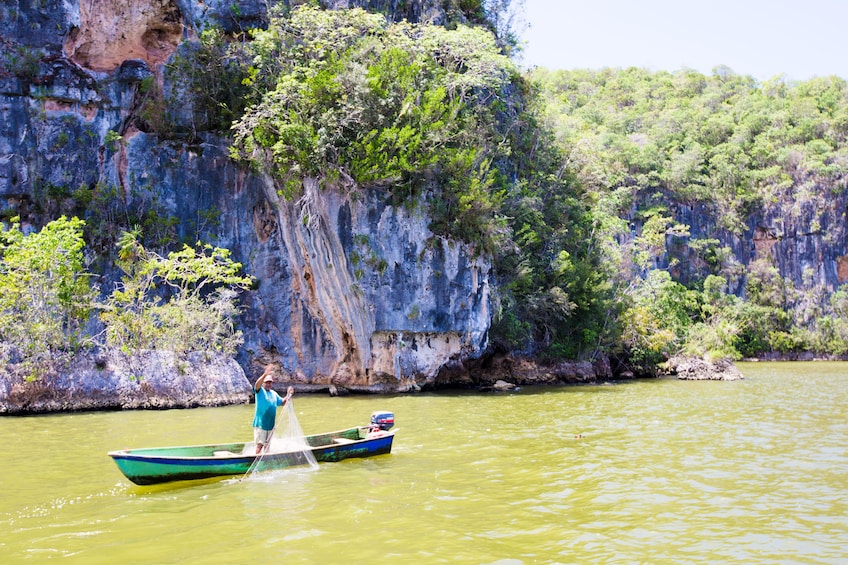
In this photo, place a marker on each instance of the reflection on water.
(652, 471)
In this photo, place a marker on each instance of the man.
(267, 400)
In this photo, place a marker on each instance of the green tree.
(182, 302)
(658, 316)
(45, 293)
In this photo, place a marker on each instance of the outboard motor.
(383, 420)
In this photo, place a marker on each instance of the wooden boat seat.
(342, 440)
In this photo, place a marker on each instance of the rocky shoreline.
(694, 369)
(155, 380)
(111, 380)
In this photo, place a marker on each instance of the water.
(666, 471)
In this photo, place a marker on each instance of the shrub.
(182, 302)
(45, 293)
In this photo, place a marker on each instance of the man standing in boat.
(267, 400)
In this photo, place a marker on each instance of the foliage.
(664, 318)
(505, 18)
(554, 289)
(45, 293)
(346, 96)
(657, 318)
(182, 302)
(650, 244)
(721, 139)
(648, 146)
(211, 74)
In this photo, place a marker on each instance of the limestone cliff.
(805, 242)
(111, 380)
(352, 291)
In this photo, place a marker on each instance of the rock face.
(520, 370)
(113, 31)
(360, 294)
(112, 381)
(806, 241)
(352, 291)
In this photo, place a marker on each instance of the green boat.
(154, 465)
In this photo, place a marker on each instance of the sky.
(797, 39)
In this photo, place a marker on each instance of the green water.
(666, 471)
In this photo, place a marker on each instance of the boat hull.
(150, 466)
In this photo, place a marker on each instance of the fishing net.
(288, 440)
(288, 436)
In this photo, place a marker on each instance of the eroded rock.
(113, 31)
(695, 369)
(115, 381)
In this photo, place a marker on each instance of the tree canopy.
(645, 144)
(349, 98)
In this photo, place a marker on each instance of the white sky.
(762, 38)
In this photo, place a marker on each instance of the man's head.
(268, 375)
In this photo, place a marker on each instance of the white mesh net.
(287, 438)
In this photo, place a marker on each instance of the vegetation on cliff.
(722, 139)
(45, 294)
(183, 302)
(352, 100)
(645, 144)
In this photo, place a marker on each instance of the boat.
(154, 465)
